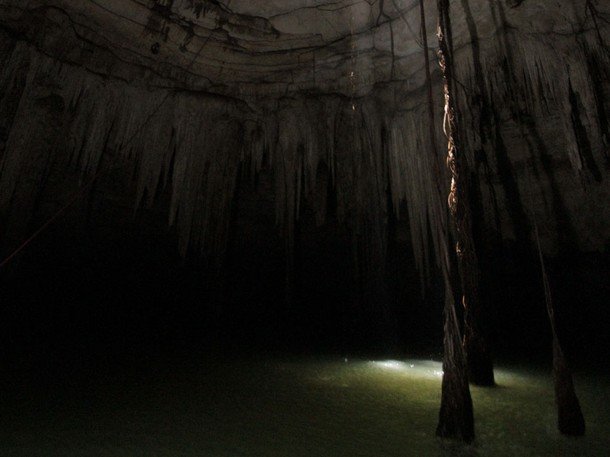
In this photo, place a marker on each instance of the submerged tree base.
(570, 419)
(456, 417)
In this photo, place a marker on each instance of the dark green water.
(280, 407)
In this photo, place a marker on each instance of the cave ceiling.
(192, 92)
(245, 47)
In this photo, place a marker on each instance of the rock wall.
(186, 96)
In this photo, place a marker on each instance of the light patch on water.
(432, 369)
(415, 368)
(403, 377)
(386, 373)
(392, 364)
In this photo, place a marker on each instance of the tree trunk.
(456, 419)
(478, 357)
(570, 420)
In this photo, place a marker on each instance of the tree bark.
(456, 418)
(570, 420)
(478, 356)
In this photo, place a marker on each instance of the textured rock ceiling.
(261, 47)
(248, 46)
(317, 92)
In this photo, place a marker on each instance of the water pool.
(279, 407)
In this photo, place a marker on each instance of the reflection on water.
(291, 408)
(412, 368)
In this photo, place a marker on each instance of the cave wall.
(187, 97)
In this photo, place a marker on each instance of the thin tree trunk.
(570, 420)
(456, 418)
(478, 357)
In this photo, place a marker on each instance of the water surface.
(271, 406)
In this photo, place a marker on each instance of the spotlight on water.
(417, 368)
(391, 364)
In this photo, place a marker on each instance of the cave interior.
(213, 211)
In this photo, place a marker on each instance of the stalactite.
(535, 76)
(410, 171)
(135, 126)
(438, 210)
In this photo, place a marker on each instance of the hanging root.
(570, 420)
(480, 365)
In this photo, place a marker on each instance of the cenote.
(270, 406)
(304, 228)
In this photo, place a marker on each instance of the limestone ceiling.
(177, 85)
(231, 45)
(256, 48)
